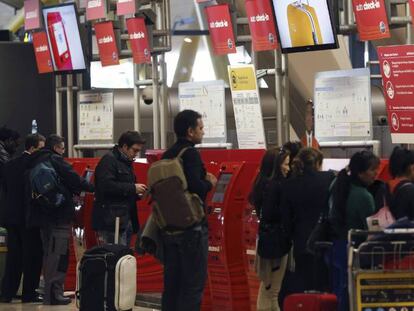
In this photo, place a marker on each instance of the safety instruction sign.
(247, 108)
(397, 68)
(385, 291)
(208, 99)
(96, 116)
(343, 105)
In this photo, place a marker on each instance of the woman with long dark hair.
(265, 197)
(352, 203)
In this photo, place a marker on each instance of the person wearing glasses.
(117, 190)
(55, 223)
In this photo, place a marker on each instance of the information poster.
(208, 99)
(397, 68)
(371, 19)
(246, 105)
(96, 116)
(343, 105)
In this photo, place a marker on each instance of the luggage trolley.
(381, 270)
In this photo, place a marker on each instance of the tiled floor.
(17, 306)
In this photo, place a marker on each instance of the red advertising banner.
(371, 19)
(411, 2)
(96, 9)
(42, 52)
(32, 15)
(126, 7)
(108, 50)
(138, 37)
(221, 29)
(262, 24)
(397, 67)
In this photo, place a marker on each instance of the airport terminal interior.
(312, 97)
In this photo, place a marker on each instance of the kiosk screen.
(220, 191)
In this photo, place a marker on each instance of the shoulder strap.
(180, 154)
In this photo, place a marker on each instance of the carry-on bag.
(310, 302)
(106, 278)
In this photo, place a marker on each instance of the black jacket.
(270, 208)
(193, 167)
(71, 183)
(115, 191)
(303, 199)
(402, 200)
(14, 204)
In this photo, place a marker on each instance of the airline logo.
(136, 36)
(260, 18)
(105, 40)
(219, 24)
(42, 48)
(31, 14)
(94, 4)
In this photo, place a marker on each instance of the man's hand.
(211, 178)
(140, 188)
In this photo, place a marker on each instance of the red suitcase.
(310, 302)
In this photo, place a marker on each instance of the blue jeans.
(185, 269)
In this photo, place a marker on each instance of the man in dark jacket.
(185, 253)
(24, 246)
(56, 223)
(117, 189)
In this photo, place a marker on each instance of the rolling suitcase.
(106, 278)
(310, 302)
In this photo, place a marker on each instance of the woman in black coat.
(265, 197)
(304, 197)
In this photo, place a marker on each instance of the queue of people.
(290, 194)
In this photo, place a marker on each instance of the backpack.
(45, 185)
(173, 206)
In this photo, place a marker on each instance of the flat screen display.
(62, 28)
(304, 25)
(221, 187)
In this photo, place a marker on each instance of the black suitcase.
(106, 279)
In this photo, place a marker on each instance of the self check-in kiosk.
(227, 277)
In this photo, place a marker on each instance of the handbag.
(380, 220)
(320, 233)
(273, 242)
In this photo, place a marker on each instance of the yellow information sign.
(242, 78)
(385, 291)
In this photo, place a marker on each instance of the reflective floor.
(18, 306)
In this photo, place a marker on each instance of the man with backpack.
(24, 246)
(185, 250)
(117, 190)
(51, 184)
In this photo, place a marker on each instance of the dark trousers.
(24, 255)
(55, 240)
(185, 269)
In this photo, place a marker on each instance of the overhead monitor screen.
(221, 187)
(61, 23)
(304, 25)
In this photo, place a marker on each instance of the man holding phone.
(117, 190)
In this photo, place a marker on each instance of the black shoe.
(5, 299)
(33, 299)
(60, 301)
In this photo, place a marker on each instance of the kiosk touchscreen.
(227, 277)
